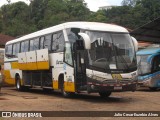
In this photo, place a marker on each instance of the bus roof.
(82, 25)
(148, 51)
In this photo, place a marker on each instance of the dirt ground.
(37, 100)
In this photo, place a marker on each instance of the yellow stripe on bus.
(22, 66)
(32, 66)
(14, 65)
(43, 65)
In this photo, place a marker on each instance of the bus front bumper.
(112, 88)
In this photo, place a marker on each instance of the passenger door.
(79, 66)
(69, 80)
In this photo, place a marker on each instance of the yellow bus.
(74, 57)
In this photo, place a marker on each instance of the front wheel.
(66, 94)
(19, 87)
(105, 94)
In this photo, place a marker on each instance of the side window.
(31, 45)
(8, 50)
(41, 46)
(22, 46)
(156, 64)
(73, 34)
(68, 54)
(58, 42)
(61, 41)
(54, 43)
(26, 46)
(47, 41)
(36, 44)
(16, 47)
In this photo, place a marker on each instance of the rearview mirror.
(87, 41)
(135, 43)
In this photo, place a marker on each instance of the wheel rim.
(18, 84)
(66, 94)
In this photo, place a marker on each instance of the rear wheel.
(105, 94)
(19, 86)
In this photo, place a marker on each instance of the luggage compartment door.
(22, 61)
(42, 59)
(31, 60)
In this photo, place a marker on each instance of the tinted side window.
(47, 41)
(73, 34)
(58, 42)
(41, 43)
(156, 64)
(22, 46)
(31, 45)
(16, 47)
(54, 43)
(36, 44)
(9, 50)
(25, 46)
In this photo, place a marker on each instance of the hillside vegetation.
(18, 19)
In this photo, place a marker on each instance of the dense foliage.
(18, 19)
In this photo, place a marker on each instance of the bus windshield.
(111, 51)
(143, 66)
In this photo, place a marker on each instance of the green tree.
(77, 10)
(98, 16)
(16, 19)
(134, 13)
(121, 15)
(37, 11)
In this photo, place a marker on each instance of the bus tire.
(105, 94)
(19, 87)
(64, 93)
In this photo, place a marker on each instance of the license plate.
(117, 76)
(118, 88)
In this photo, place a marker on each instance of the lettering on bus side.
(58, 62)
